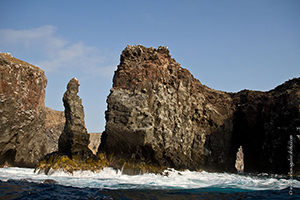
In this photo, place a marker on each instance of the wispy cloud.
(43, 37)
(56, 53)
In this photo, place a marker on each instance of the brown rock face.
(74, 139)
(25, 136)
(159, 113)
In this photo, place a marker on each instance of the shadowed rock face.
(263, 123)
(159, 113)
(26, 130)
(74, 139)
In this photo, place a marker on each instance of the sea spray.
(111, 179)
(239, 162)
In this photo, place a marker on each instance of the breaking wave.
(115, 180)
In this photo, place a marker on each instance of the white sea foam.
(111, 179)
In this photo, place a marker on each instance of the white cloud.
(56, 53)
(75, 55)
(43, 36)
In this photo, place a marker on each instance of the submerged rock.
(49, 181)
(26, 130)
(158, 113)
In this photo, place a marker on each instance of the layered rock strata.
(26, 130)
(159, 113)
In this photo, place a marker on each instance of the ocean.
(23, 183)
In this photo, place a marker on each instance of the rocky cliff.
(162, 115)
(27, 129)
(159, 113)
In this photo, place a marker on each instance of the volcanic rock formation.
(74, 139)
(73, 151)
(159, 113)
(28, 130)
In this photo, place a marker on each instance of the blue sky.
(227, 45)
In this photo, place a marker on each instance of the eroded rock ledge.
(159, 114)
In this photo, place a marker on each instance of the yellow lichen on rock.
(63, 162)
(56, 161)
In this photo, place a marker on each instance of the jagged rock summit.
(28, 130)
(159, 114)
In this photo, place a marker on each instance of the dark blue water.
(22, 189)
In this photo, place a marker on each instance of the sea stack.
(74, 139)
(73, 151)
